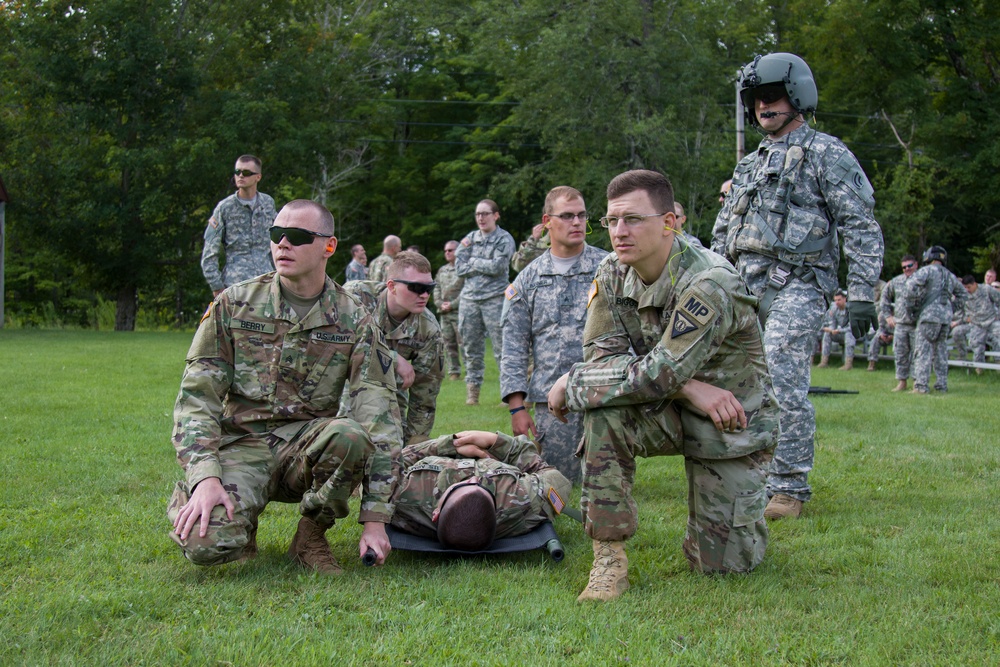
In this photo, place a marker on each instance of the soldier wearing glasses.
(543, 317)
(898, 322)
(399, 307)
(239, 226)
(482, 258)
(673, 365)
(255, 419)
(793, 200)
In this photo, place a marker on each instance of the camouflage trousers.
(476, 321)
(902, 349)
(559, 443)
(960, 339)
(726, 531)
(876, 344)
(789, 334)
(452, 341)
(930, 348)
(978, 336)
(317, 468)
(846, 339)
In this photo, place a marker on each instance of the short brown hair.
(250, 158)
(468, 522)
(407, 259)
(653, 183)
(326, 223)
(557, 193)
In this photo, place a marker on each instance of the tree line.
(121, 121)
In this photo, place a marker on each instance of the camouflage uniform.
(449, 288)
(641, 345)
(791, 200)
(378, 267)
(355, 270)
(543, 320)
(893, 302)
(242, 231)
(519, 479)
(256, 409)
(530, 250)
(960, 333)
(482, 260)
(928, 297)
(981, 311)
(418, 340)
(837, 320)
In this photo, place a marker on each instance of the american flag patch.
(554, 500)
(510, 292)
(592, 293)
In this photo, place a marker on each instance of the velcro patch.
(592, 293)
(247, 325)
(384, 360)
(681, 325)
(327, 337)
(554, 500)
(466, 242)
(510, 292)
(212, 221)
(697, 310)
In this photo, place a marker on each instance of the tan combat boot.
(871, 366)
(782, 506)
(454, 376)
(824, 361)
(901, 386)
(310, 549)
(609, 575)
(472, 394)
(848, 365)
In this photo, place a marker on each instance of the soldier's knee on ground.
(224, 540)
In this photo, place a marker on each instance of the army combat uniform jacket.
(642, 344)
(255, 369)
(527, 490)
(931, 294)
(543, 315)
(483, 260)
(242, 231)
(418, 340)
(448, 288)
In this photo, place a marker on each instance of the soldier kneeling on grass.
(673, 365)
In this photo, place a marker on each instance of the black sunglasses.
(770, 93)
(295, 235)
(244, 172)
(417, 288)
(909, 266)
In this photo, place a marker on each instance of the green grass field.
(893, 563)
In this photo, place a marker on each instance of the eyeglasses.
(295, 235)
(417, 288)
(483, 214)
(770, 93)
(570, 217)
(244, 173)
(630, 220)
(909, 266)
(722, 195)
(449, 250)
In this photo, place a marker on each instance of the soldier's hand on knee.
(720, 405)
(198, 509)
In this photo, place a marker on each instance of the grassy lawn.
(894, 561)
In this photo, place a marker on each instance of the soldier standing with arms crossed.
(893, 307)
(791, 200)
(446, 296)
(544, 314)
(255, 419)
(239, 226)
(482, 259)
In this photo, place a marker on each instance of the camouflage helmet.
(786, 68)
(936, 252)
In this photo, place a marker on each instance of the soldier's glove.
(862, 316)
